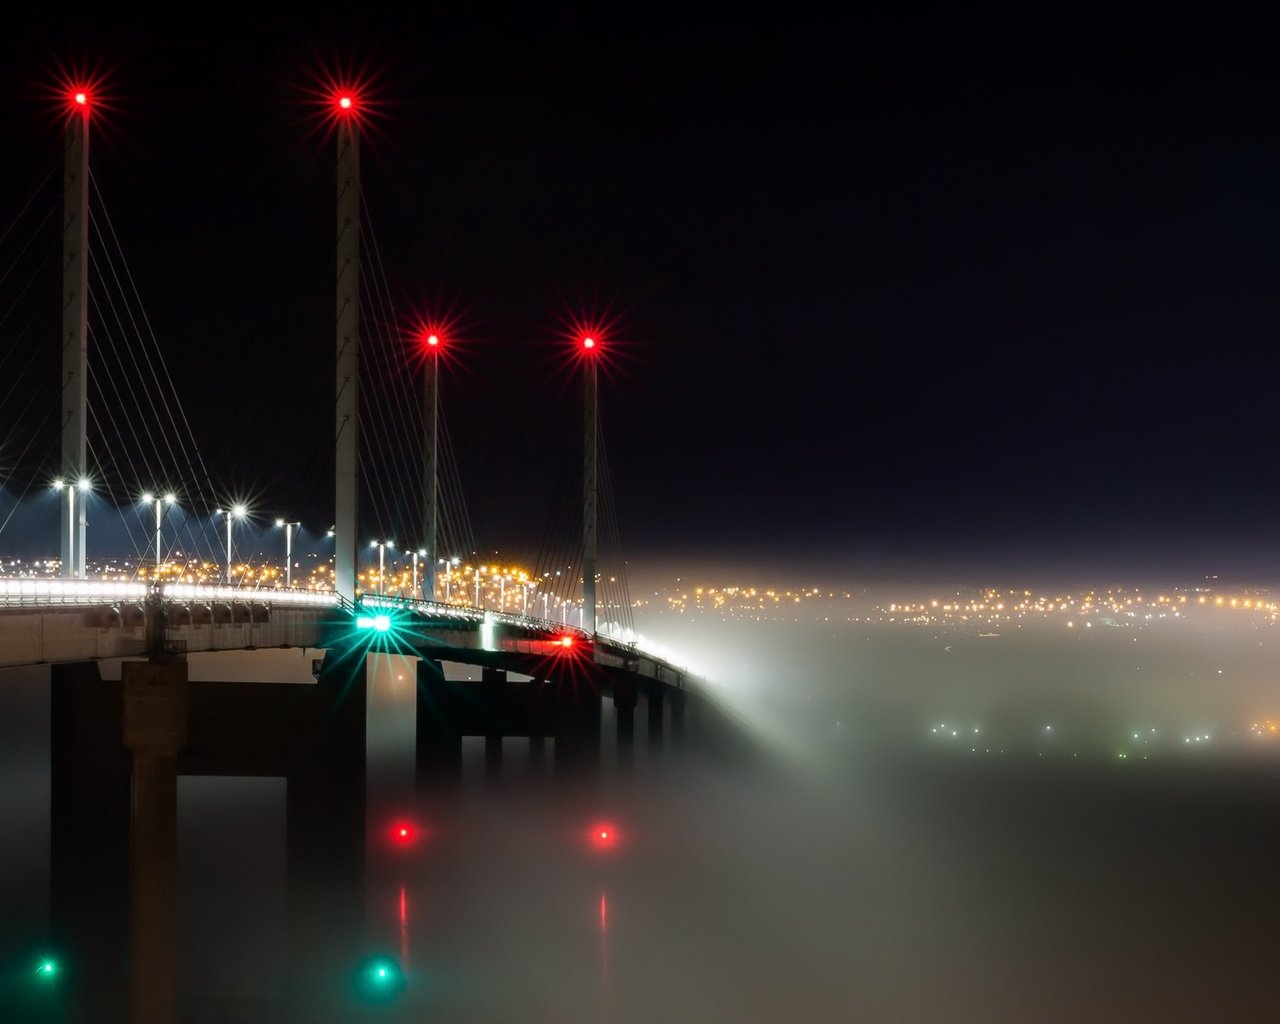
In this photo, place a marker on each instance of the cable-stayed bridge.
(179, 590)
(123, 432)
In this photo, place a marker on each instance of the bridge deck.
(47, 621)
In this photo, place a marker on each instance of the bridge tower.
(347, 425)
(590, 490)
(75, 324)
(432, 343)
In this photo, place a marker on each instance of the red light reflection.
(403, 833)
(603, 835)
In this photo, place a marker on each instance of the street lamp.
(452, 564)
(84, 485)
(288, 551)
(235, 512)
(159, 503)
(382, 546)
(416, 555)
(68, 566)
(478, 569)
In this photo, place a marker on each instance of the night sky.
(880, 289)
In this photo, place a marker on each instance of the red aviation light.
(79, 100)
(343, 99)
(346, 104)
(430, 338)
(566, 642)
(588, 344)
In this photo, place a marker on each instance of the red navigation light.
(603, 835)
(345, 104)
(433, 337)
(79, 99)
(588, 343)
(566, 642)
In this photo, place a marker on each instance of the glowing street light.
(84, 485)
(288, 551)
(235, 512)
(449, 566)
(420, 553)
(159, 503)
(382, 546)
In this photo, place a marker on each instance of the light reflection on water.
(875, 877)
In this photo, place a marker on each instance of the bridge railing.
(466, 613)
(42, 592)
(203, 592)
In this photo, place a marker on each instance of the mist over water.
(1077, 857)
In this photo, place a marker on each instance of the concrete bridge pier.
(653, 702)
(439, 741)
(89, 841)
(678, 699)
(537, 756)
(625, 699)
(325, 839)
(155, 730)
(578, 706)
(493, 695)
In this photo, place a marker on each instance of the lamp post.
(382, 546)
(233, 513)
(68, 539)
(159, 503)
(288, 551)
(416, 555)
(73, 564)
(450, 564)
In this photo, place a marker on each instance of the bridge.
(119, 745)
(73, 617)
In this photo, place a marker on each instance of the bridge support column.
(325, 839)
(578, 730)
(653, 700)
(492, 758)
(625, 699)
(494, 692)
(537, 755)
(155, 730)
(678, 700)
(89, 839)
(439, 743)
